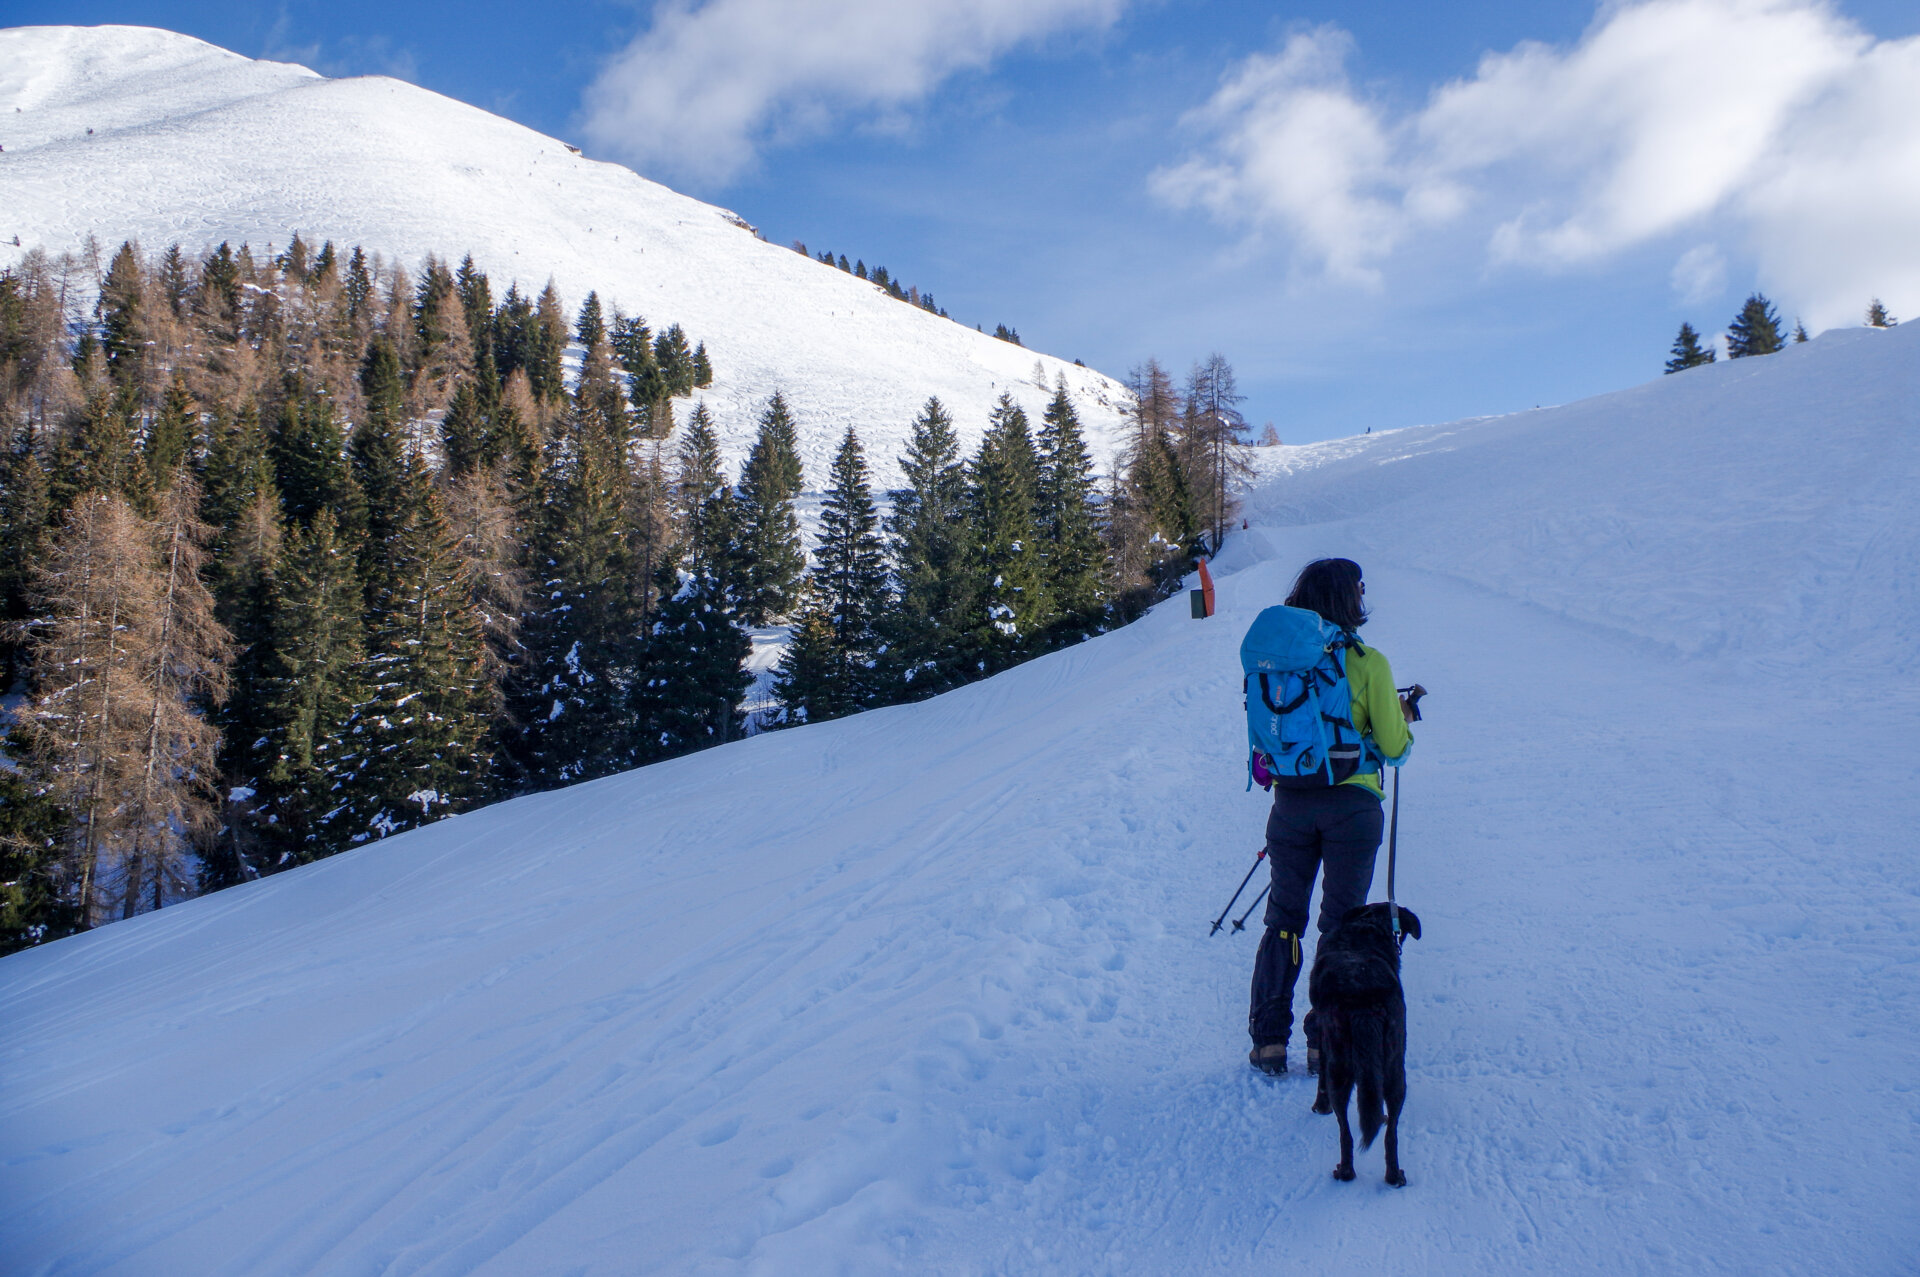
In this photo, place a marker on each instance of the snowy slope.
(930, 989)
(1760, 508)
(129, 131)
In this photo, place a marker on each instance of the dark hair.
(1331, 587)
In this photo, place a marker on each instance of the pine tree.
(515, 333)
(1688, 352)
(124, 319)
(310, 463)
(463, 432)
(326, 265)
(632, 343)
(1755, 330)
(26, 514)
(382, 466)
(670, 374)
(702, 368)
(36, 902)
(423, 720)
(599, 406)
(807, 665)
(171, 436)
(928, 641)
(848, 584)
(1009, 574)
(218, 292)
(106, 458)
(548, 345)
(476, 301)
(314, 685)
(1877, 316)
(238, 470)
(1071, 548)
(383, 382)
(693, 676)
(769, 528)
(590, 329)
(359, 288)
(176, 281)
(582, 628)
(1800, 333)
(705, 513)
(247, 553)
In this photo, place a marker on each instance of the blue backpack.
(1300, 732)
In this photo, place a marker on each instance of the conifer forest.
(302, 549)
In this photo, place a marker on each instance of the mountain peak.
(137, 133)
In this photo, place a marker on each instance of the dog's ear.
(1409, 923)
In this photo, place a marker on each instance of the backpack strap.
(1266, 696)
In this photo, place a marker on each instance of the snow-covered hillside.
(930, 989)
(129, 131)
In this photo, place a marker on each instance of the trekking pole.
(1410, 697)
(1237, 890)
(1240, 923)
(1393, 849)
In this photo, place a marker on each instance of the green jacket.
(1376, 711)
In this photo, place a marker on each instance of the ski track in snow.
(930, 989)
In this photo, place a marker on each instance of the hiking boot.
(1270, 1059)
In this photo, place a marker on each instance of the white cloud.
(1778, 118)
(1700, 274)
(709, 83)
(1297, 147)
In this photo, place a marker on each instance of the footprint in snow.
(718, 1134)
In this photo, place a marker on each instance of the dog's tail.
(1369, 1038)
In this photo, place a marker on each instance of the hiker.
(1337, 825)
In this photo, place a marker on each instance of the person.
(1333, 833)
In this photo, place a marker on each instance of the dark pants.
(1338, 827)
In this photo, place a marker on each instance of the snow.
(930, 989)
(134, 132)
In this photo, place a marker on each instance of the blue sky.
(1382, 214)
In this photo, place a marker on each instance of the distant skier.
(1337, 825)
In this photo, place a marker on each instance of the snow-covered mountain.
(930, 989)
(130, 131)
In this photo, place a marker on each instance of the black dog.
(1360, 1018)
